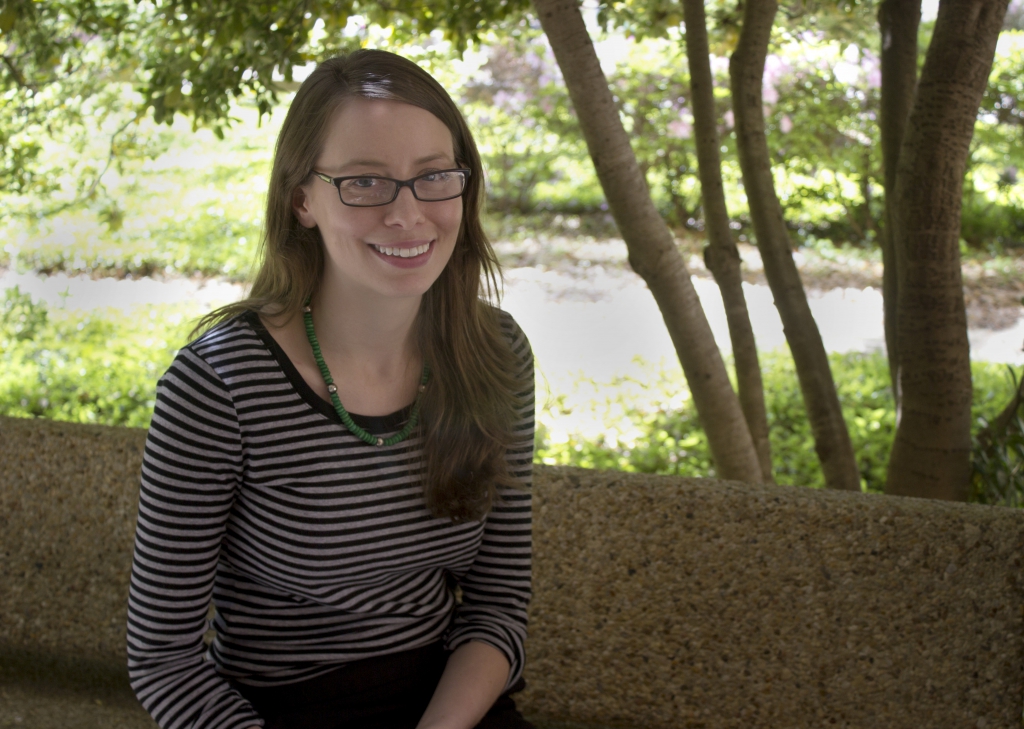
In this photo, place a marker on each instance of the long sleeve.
(191, 472)
(496, 590)
(317, 548)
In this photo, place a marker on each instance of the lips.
(405, 256)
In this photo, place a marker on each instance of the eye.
(436, 177)
(362, 183)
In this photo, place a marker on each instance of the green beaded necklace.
(369, 438)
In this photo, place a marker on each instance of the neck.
(368, 331)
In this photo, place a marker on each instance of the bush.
(991, 225)
(998, 454)
(669, 440)
(84, 368)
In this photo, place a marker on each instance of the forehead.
(384, 133)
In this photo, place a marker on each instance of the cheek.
(349, 222)
(453, 217)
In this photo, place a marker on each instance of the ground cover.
(97, 367)
(649, 424)
(103, 366)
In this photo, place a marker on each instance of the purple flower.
(681, 128)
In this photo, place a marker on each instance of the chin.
(407, 290)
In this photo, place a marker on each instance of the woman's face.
(393, 250)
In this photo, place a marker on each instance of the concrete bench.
(659, 602)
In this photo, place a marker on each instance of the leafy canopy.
(68, 67)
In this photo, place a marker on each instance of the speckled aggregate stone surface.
(31, 708)
(658, 602)
(664, 602)
(68, 502)
(45, 691)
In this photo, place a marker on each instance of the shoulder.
(230, 345)
(514, 335)
(521, 365)
(509, 327)
(227, 336)
(222, 348)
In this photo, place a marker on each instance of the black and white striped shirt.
(315, 548)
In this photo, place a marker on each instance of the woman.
(348, 448)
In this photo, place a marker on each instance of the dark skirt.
(387, 692)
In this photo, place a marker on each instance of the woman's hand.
(472, 681)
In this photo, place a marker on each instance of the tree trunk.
(931, 453)
(746, 69)
(652, 250)
(897, 22)
(720, 255)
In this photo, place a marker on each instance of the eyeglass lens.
(380, 190)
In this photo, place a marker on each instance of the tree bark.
(931, 452)
(720, 255)
(746, 69)
(652, 250)
(898, 21)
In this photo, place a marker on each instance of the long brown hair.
(469, 407)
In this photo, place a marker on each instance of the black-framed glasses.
(367, 191)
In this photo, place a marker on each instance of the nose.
(404, 211)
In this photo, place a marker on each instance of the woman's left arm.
(474, 678)
(489, 627)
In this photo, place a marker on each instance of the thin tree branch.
(79, 199)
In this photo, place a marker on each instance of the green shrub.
(993, 226)
(669, 440)
(84, 367)
(862, 381)
(997, 456)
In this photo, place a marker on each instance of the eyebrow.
(378, 163)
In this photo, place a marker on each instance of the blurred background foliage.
(651, 425)
(103, 367)
(95, 91)
(997, 457)
(97, 367)
(131, 145)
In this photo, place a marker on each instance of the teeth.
(404, 252)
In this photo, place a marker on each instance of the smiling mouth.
(402, 252)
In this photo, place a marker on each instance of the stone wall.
(659, 602)
(68, 500)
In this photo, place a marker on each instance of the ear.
(301, 208)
